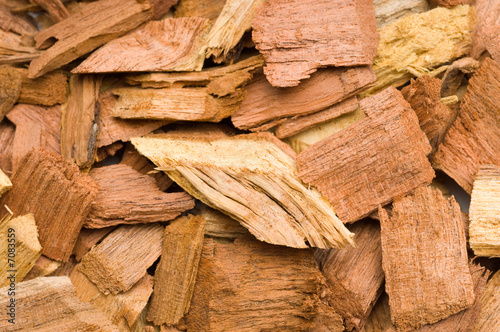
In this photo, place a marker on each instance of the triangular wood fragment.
(54, 8)
(43, 267)
(387, 11)
(425, 259)
(16, 49)
(5, 183)
(89, 238)
(15, 23)
(489, 318)
(252, 178)
(58, 196)
(47, 90)
(200, 8)
(65, 269)
(218, 224)
(388, 148)
(485, 37)
(10, 88)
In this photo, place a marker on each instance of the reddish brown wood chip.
(485, 35)
(7, 132)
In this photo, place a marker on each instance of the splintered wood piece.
(435, 119)
(122, 258)
(387, 11)
(87, 239)
(484, 228)
(122, 309)
(252, 178)
(176, 273)
(388, 148)
(231, 24)
(5, 183)
(7, 132)
(424, 255)
(10, 88)
(54, 8)
(50, 304)
(20, 248)
(36, 127)
(15, 23)
(265, 103)
(112, 129)
(485, 37)
(489, 317)
(200, 8)
(173, 44)
(129, 197)
(48, 90)
(354, 276)
(424, 42)
(86, 30)
(43, 267)
(16, 49)
(334, 33)
(455, 73)
(58, 196)
(218, 224)
(80, 115)
(473, 139)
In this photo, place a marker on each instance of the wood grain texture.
(47, 90)
(450, 3)
(5, 183)
(15, 49)
(87, 239)
(10, 88)
(484, 228)
(121, 259)
(58, 196)
(245, 176)
(387, 11)
(176, 273)
(55, 9)
(332, 33)
(388, 148)
(7, 133)
(452, 78)
(424, 257)
(15, 23)
(489, 318)
(48, 304)
(485, 36)
(161, 7)
(474, 138)
(129, 197)
(43, 267)
(219, 225)
(84, 31)
(200, 8)
(265, 103)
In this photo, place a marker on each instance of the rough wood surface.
(10, 88)
(387, 11)
(121, 259)
(455, 73)
(176, 273)
(87, 239)
(7, 133)
(327, 34)
(173, 44)
(15, 23)
(473, 138)
(450, 3)
(200, 8)
(48, 304)
(20, 247)
(265, 103)
(484, 228)
(79, 123)
(354, 276)
(55, 9)
(129, 197)
(218, 224)
(485, 34)
(5, 183)
(161, 7)
(48, 90)
(425, 259)
(16, 49)
(84, 31)
(245, 176)
(489, 317)
(388, 148)
(43, 267)
(58, 196)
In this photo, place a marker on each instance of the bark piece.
(484, 228)
(424, 42)
(326, 36)
(218, 224)
(121, 259)
(79, 124)
(473, 138)
(16, 49)
(388, 148)
(7, 132)
(129, 197)
(161, 7)
(455, 73)
(435, 119)
(89, 238)
(15, 23)
(5, 184)
(58, 196)
(20, 248)
(43, 267)
(354, 276)
(200, 8)
(387, 11)
(122, 309)
(86, 30)
(489, 318)
(173, 44)
(485, 36)
(425, 259)
(176, 273)
(245, 176)
(10, 88)
(48, 304)
(54, 8)
(48, 90)
(327, 87)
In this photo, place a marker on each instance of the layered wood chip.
(10, 88)
(87, 239)
(16, 49)
(489, 318)
(15, 23)
(55, 9)
(387, 11)
(218, 224)
(485, 37)
(252, 178)
(47, 90)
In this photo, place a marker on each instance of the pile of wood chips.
(249, 165)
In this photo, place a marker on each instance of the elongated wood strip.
(387, 11)
(176, 273)
(425, 259)
(43, 267)
(54, 8)
(473, 138)
(200, 8)
(218, 224)
(10, 88)
(486, 31)
(7, 132)
(224, 174)
(87, 239)
(455, 73)
(5, 183)
(48, 90)
(58, 196)
(326, 38)
(16, 49)
(15, 23)
(86, 30)
(489, 318)
(48, 304)
(389, 149)
(121, 259)
(485, 212)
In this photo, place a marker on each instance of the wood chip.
(121, 259)
(455, 73)
(161, 7)
(48, 90)
(485, 212)
(89, 238)
(16, 49)
(58, 196)
(473, 138)
(10, 88)
(224, 174)
(43, 267)
(200, 8)
(486, 31)
(86, 30)
(54, 8)
(425, 259)
(489, 318)
(326, 38)
(7, 132)
(5, 184)
(387, 11)
(218, 224)
(450, 3)
(387, 146)
(15, 23)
